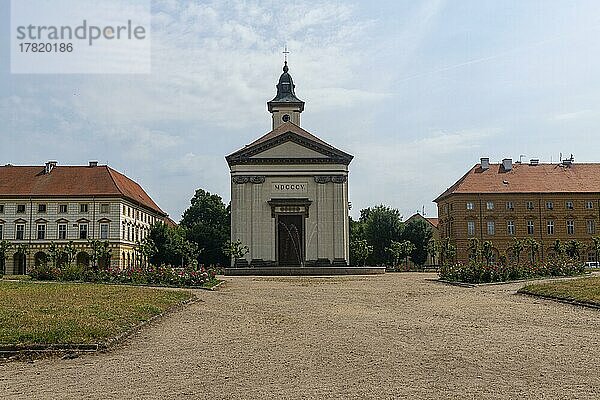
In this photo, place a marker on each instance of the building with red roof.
(501, 201)
(41, 205)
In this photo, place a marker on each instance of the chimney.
(93, 163)
(507, 164)
(569, 161)
(50, 166)
(485, 163)
(534, 161)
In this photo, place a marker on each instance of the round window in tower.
(285, 117)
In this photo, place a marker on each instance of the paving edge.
(9, 350)
(561, 300)
(544, 278)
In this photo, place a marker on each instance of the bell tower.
(285, 107)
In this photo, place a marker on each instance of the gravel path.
(377, 337)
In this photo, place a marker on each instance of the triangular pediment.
(289, 149)
(289, 143)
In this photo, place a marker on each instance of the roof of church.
(284, 132)
(72, 181)
(288, 127)
(529, 178)
(285, 90)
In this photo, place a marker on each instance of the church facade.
(289, 192)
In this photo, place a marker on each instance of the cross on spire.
(285, 53)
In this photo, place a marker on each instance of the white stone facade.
(326, 226)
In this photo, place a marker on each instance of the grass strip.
(585, 290)
(51, 313)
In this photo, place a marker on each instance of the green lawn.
(48, 313)
(585, 290)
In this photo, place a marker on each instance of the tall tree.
(419, 234)
(207, 222)
(167, 245)
(382, 224)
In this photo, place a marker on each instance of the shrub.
(44, 272)
(477, 272)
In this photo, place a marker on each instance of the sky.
(417, 91)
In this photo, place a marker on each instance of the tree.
(487, 251)
(360, 251)
(100, 251)
(71, 251)
(533, 246)
(5, 246)
(207, 223)
(166, 245)
(419, 234)
(447, 251)
(516, 247)
(573, 249)
(400, 251)
(235, 250)
(474, 249)
(382, 225)
(596, 246)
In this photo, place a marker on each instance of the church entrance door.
(290, 239)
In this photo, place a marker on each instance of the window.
(570, 227)
(83, 231)
(549, 205)
(42, 208)
(83, 208)
(1, 231)
(530, 230)
(124, 230)
(62, 231)
(490, 205)
(591, 227)
(569, 205)
(104, 208)
(491, 227)
(20, 232)
(103, 231)
(41, 231)
(62, 209)
(1, 208)
(589, 205)
(470, 205)
(510, 205)
(510, 227)
(124, 209)
(137, 233)
(550, 227)
(530, 205)
(129, 233)
(20, 208)
(137, 213)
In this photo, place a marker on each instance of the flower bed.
(477, 272)
(152, 275)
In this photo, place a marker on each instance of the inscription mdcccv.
(284, 187)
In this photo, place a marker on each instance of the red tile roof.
(433, 221)
(72, 181)
(526, 178)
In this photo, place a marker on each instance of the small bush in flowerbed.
(479, 272)
(152, 275)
